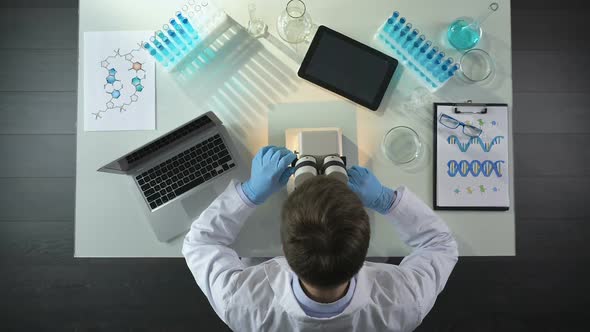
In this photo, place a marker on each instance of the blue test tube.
(181, 31)
(152, 51)
(446, 75)
(162, 49)
(168, 42)
(388, 25)
(436, 61)
(174, 37)
(391, 22)
(394, 16)
(397, 27)
(442, 68)
(411, 36)
(187, 25)
(415, 49)
(429, 56)
(422, 52)
(403, 32)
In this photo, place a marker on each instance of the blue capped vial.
(152, 51)
(168, 43)
(415, 50)
(181, 31)
(187, 25)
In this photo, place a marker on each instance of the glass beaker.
(401, 145)
(465, 32)
(294, 24)
(476, 66)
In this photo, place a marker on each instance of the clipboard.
(472, 173)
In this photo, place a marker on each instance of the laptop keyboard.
(185, 171)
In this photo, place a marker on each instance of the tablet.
(348, 68)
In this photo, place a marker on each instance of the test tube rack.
(424, 60)
(184, 34)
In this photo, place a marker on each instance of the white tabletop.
(110, 224)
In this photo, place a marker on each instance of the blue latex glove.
(373, 195)
(270, 172)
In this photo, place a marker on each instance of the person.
(323, 282)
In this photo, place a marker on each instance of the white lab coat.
(259, 298)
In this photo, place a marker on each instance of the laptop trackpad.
(197, 202)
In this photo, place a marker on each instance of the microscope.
(319, 152)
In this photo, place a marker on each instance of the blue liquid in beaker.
(463, 35)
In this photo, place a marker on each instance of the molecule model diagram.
(123, 75)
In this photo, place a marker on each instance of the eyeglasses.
(453, 123)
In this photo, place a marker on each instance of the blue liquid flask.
(463, 35)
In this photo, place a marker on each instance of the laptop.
(178, 175)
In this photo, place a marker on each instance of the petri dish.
(476, 65)
(401, 145)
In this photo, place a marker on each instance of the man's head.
(325, 232)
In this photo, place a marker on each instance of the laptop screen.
(136, 157)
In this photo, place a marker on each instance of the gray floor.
(41, 287)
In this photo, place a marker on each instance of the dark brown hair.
(325, 232)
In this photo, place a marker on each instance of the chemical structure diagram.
(123, 76)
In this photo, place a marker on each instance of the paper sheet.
(473, 172)
(119, 82)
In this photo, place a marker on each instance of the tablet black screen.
(347, 67)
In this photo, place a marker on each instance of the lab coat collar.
(278, 273)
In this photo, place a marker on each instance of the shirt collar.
(317, 309)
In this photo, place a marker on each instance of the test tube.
(168, 42)
(436, 61)
(422, 52)
(415, 50)
(181, 31)
(187, 25)
(446, 75)
(429, 56)
(174, 37)
(442, 68)
(411, 36)
(397, 27)
(395, 16)
(162, 49)
(388, 25)
(152, 51)
(403, 32)
(391, 22)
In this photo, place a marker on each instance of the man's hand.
(369, 189)
(270, 172)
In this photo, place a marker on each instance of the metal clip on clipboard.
(478, 108)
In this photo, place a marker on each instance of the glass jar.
(294, 25)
